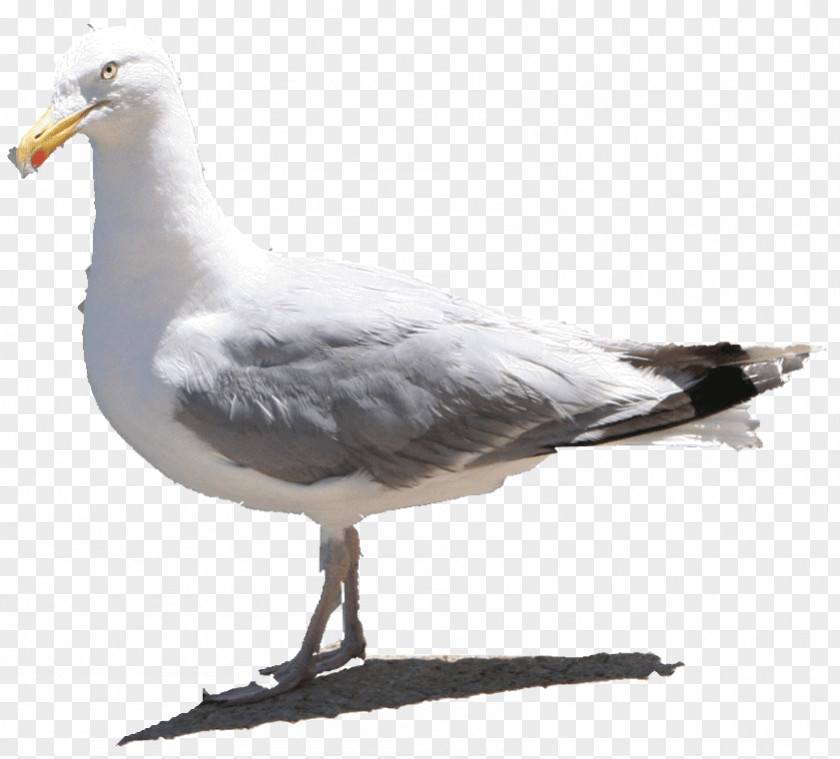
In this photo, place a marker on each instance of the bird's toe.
(244, 695)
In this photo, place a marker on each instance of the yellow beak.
(40, 141)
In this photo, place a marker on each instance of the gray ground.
(398, 681)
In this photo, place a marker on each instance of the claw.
(341, 567)
(289, 676)
(276, 669)
(245, 695)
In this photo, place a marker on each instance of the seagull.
(322, 388)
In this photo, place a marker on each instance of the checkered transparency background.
(644, 175)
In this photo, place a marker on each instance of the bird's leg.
(304, 664)
(353, 644)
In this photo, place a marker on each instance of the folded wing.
(368, 390)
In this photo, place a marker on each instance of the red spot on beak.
(38, 157)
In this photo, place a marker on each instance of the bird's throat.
(153, 208)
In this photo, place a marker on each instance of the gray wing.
(398, 388)
(398, 404)
(344, 370)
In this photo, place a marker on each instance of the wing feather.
(364, 372)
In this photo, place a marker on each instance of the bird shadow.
(391, 682)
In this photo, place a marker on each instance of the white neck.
(155, 216)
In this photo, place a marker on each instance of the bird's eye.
(109, 70)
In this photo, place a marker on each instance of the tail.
(713, 380)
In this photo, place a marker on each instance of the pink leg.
(343, 566)
(353, 644)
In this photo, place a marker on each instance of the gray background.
(644, 175)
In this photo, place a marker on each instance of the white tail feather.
(734, 427)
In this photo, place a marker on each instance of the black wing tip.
(721, 388)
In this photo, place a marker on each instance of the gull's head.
(110, 81)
